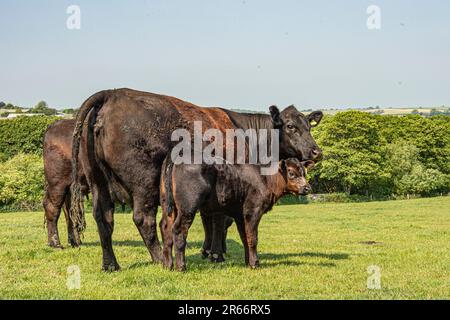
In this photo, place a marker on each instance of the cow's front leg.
(251, 233)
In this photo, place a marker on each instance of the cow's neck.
(250, 120)
(254, 121)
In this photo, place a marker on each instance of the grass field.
(316, 251)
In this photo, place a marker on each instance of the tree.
(69, 111)
(351, 145)
(43, 108)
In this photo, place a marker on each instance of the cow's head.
(295, 133)
(294, 173)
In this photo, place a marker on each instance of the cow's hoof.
(205, 253)
(55, 246)
(255, 265)
(181, 268)
(73, 243)
(217, 258)
(112, 267)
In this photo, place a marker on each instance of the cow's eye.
(290, 126)
(291, 175)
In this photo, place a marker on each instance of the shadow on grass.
(119, 243)
(235, 256)
(272, 259)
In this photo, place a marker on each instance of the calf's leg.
(227, 224)
(217, 238)
(251, 232)
(166, 226)
(180, 231)
(207, 222)
(241, 229)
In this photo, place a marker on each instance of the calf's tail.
(168, 170)
(76, 212)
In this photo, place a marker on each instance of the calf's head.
(294, 127)
(294, 173)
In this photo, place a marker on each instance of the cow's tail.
(76, 212)
(168, 171)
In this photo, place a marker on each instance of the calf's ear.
(282, 166)
(308, 164)
(276, 117)
(314, 118)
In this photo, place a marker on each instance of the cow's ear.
(276, 117)
(282, 166)
(314, 118)
(308, 164)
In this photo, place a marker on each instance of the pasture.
(315, 251)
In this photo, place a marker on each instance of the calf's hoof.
(111, 267)
(217, 258)
(254, 265)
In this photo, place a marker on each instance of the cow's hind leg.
(144, 217)
(70, 235)
(103, 208)
(52, 208)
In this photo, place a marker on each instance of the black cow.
(122, 138)
(240, 190)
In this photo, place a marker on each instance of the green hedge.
(366, 157)
(23, 135)
(383, 156)
(22, 182)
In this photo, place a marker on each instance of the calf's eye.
(290, 126)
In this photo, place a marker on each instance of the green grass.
(316, 251)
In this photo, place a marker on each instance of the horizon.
(235, 54)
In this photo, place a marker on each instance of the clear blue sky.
(240, 54)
